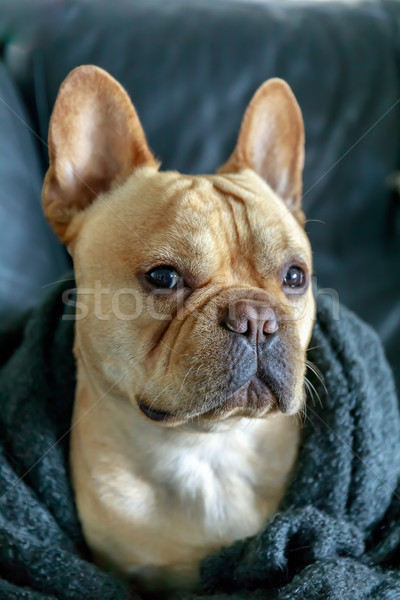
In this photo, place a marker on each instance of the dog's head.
(194, 296)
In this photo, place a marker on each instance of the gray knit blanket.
(336, 536)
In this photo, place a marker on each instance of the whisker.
(313, 392)
(315, 221)
(303, 409)
(314, 369)
(314, 347)
(57, 282)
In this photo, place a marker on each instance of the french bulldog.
(194, 313)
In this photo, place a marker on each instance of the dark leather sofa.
(191, 68)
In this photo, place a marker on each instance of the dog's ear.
(271, 142)
(95, 142)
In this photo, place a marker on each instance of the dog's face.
(194, 295)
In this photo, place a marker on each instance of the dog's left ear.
(271, 142)
(95, 142)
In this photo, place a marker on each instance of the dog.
(194, 314)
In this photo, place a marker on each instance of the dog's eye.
(163, 277)
(295, 277)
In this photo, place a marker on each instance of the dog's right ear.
(95, 142)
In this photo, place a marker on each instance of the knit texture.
(336, 536)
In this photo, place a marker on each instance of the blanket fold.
(336, 536)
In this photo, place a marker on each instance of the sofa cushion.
(30, 255)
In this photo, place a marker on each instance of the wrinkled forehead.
(202, 219)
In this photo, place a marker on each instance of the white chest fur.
(149, 495)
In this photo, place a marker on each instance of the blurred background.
(191, 67)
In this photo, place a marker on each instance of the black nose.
(254, 320)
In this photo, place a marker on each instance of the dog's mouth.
(154, 415)
(253, 399)
(161, 416)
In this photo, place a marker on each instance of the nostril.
(226, 323)
(270, 327)
(236, 325)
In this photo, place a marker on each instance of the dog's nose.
(256, 321)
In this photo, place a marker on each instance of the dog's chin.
(254, 400)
